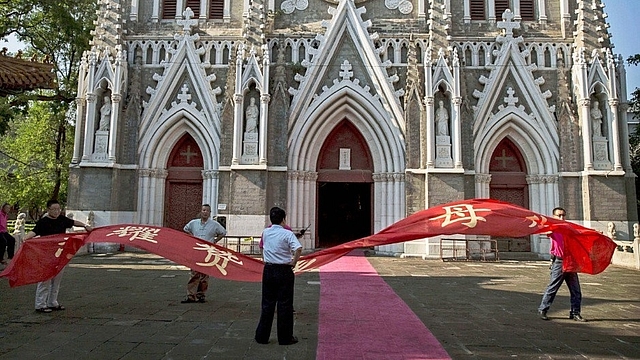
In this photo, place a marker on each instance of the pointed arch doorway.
(509, 183)
(183, 193)
(344, 187)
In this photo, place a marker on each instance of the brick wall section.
(414, 185)
(444, 188)
(247, 188)
(570, 197)
(608, 196)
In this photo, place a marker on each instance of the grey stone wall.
(444, 188)
(414, 185)
(609, 198)
(93, 189)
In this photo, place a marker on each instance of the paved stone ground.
(127, 306)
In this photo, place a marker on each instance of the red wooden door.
(183, 192)
(509, 183)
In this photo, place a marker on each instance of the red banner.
(586, 250)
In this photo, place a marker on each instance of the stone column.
(430, 133)
(237, 128)
(456, 133)
(482, 185)
(89, 126)
(583, 105)
(615, 134)
(262, 130)
(113, 127)
(211, 181)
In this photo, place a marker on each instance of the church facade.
(350, 114)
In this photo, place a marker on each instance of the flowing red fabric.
(586, 250)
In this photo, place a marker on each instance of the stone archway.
(183, 195)
(344, 187)
(509, 183)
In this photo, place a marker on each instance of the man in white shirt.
(281, 251)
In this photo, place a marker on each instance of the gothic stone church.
(350, 114)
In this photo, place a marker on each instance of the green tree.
(58, 30)
(634, 107)
(36, 173)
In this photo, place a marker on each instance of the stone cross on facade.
(346, 72)
(511, 100)
(504, 158)
(184, 96)
(188, 22)
(188, 154)
(508, 24)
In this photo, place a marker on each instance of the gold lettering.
(461, 212)
(218, 258)
(137, 233)
(303, 265)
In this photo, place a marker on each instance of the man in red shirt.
(558, 276)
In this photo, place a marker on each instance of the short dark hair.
(52, 202)
(207, 205)
(558, 209)
(277, 215)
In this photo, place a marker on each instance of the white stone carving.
(404, 6)
(289, 6)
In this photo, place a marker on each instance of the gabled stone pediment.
(511, 73)
(184, 67)
(346, 39)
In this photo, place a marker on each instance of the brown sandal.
(57, 308)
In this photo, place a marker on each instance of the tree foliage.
(36, 172)
(634, 107)
(37, 126)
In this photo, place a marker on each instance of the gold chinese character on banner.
(461, 212)
(537, 221)
(304, 265)
(216, 257)
(137, 233)
(61, 248)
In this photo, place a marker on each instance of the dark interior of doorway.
(344, 212)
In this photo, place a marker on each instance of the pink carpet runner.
(361, 317)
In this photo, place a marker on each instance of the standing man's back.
(281, 251)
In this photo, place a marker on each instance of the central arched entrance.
(509, 183)
(183, 195)
(344, 187)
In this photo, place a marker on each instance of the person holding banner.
(558, 276)
(210, 231)
(7, 242)
(50, 224)
(281, 251)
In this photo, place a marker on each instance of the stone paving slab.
(127, 306)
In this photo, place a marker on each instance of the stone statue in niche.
(251, 116)
(18, 229)
(611, 230)
(105, 114)
(596, 119)
(442, 120)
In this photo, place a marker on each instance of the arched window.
(216, 9)
(527, 12)
(501, 6)
(169, 9)
(477, 10)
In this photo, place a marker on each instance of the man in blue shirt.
(281, 251)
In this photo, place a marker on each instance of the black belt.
(554, 258)
(272, 264)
